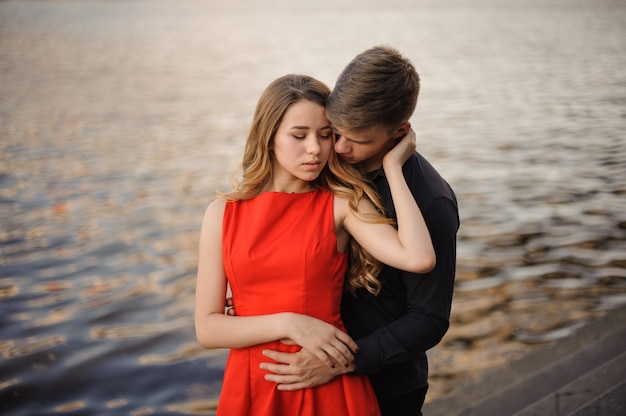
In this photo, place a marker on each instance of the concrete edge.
(498, 380)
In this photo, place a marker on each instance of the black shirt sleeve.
(427, 303)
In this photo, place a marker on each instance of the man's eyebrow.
(347, 137)
(357, 140)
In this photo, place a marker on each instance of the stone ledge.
(541, 376)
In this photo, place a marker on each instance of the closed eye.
(326, 133)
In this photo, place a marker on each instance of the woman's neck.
(291, 188)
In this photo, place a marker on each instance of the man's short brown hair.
(377, 88)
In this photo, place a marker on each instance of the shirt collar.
(375, 174)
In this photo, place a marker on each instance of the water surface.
(118, 121)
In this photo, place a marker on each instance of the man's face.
(364, 148)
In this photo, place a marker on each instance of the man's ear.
(401, 130)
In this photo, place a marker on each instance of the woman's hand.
(329, 344)
(409, 246)
(402, 151)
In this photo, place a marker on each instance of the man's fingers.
(281, 378)
(288, 382)
(281, 369)
(281, 357)
(293, 386)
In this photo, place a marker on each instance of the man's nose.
(341, 145)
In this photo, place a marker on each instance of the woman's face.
(302, 143)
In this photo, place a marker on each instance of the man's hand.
(295, 371)
(331, 346)
(230, 307)
(334, 348)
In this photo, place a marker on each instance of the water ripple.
(119, 120)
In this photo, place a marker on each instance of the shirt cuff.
(368, 359)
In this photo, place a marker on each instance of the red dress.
(280, 254)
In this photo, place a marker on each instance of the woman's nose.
(313, 146)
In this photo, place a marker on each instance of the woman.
(281, 240)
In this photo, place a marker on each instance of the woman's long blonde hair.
(338, 177)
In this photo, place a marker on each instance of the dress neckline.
(293, 193)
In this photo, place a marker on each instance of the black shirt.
(411, 314)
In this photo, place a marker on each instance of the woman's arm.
(409, 247)
(214, 329)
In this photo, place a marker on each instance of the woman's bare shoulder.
(341, 204)
(215, 210)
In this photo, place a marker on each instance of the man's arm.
(428, 301)
(429, 298)
(294, 371)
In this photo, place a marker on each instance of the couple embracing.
(339, 246)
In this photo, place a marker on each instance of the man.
(369, 108)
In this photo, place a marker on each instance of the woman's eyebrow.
(307, 127)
